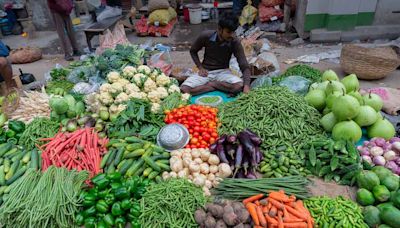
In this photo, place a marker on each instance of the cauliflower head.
(162, 91)
(113, 76)
(121, 98)
(144, 69)
(105, 98)
(185, 96)
(173, 88)
(163, 80)
(116, 88)
(149, 85)
(154, 96)
(155, 107)
(105, 88)
(123, 81)
(136, 95)
(131, 88)
(129, 71)
(154, 75)
(139, 78)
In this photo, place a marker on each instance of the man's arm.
(194, 50)
(243, 64)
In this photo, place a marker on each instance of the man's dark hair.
(228, 21)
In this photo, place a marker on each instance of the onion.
(371, 144)
(376, 151)
(380, 142)
(366, 143)
(396, 146)
(394, 139)
(367, 159)
(359, 148)
(398, 160)
(379, 160)
(392, 166)
(389, 155)
(365, 152)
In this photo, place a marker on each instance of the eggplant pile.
(241, 152)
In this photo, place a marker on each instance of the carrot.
(258, 227)
(265, 210)
(292, 220)
(251, 208)
(257, 203)
(285, 214)
(295, 225)
(280, 221)
(310, 223)
(270, 220)
(261, 217)
(296, 212)
(253, 198)
(269, 206)
(279, 196)
(277, 204)
(273, 212)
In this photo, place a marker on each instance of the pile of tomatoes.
(201, 121)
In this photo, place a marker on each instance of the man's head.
(227, 26)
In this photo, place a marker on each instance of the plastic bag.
(162, 61)
(109, 12)
(81, 74)
(249, 14)
(296, 84)
(85, 88)
(26, 78)
(261, 82)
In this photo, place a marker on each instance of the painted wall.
(41, 16)
(387, 12)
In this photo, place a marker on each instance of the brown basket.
(368, 63)
(10, 105)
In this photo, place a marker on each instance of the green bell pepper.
(109, 198)
(80, 219)
(126, 204)
(115, 185)
(89, 200)
(116, 209)
(116, 176)
(100, 181)
(102, 206)
(17, 126)
(90, 222)
(120, 222)
(135, 210)
(121, 193)
(102, 224)
(94, 191)
(135, 224)
(10, 133)
(91, 211)
(109, 219)
(103, 194)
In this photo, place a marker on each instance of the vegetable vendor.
(214, 72)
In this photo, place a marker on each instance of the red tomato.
(212, 140)
(196, 134)
(196, 128)
(214, 134)
(191, 131)
(194, 140)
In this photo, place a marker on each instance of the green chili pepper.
(135, 224)
(10, 134)
(101, 206)
(135, 210)
(115, 185)
(89, 200)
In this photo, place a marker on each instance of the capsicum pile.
(112, 202)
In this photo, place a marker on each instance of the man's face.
(226, 34)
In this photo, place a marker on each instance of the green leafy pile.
(303, 70)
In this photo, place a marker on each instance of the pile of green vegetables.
(338, 212)
(59, 87)
(132, 156)
(112, 202)
(305, 71)
(171, 203)
(47, 199)
(65, 107)
(332, 160)
(37, 129)
(239, 189)
(13, 133)
(138, 120)
(59, 74)
(278, 116)
(174, 100)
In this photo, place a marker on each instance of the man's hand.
(203, 72)
(246, 89)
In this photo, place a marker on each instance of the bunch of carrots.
(80, 150)
(278, 210)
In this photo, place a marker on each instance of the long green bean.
(37, 129)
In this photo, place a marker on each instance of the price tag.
(274, 18)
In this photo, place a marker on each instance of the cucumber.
(153, 175)
(1, 160)
(133, 146)
(147, 145)
(111, 142)
(13, 169)
(119, 145)
(110, 169)
(158, 149)
(26, 158)
(3, 189)
(147, 171)
(133, 139)
(390, 216)
(163, 161)
(136, 153)
(163, 166)
(121, 164)
(159, 157)
(124, 168)
(2, 176)
(104, 159)
(34, 159)
(4, 148)
(111, 157)
(158, 179)
(139, 172)
(135, 167)
(12, 152)
(18, 157)
(118, 156)
(150, 162)
(18, 174)
(7, 165)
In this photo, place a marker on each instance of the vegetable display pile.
(33, 104)
(241, 152)
(132, 156)
(379, 152)
(238, 189)
(65, 107)
(60, 87)
(13, 133)
(14, 162)
(201, 121)
(39, 128)
(279, 210)
(59, 74)
(80, 150)
(199, 166)
(305, 71)
(278, 116)
(171, 203)
(338, 212)
(48, 199)
(113, 202)
(333, 160)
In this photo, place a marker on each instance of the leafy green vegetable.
(52, 86)
(305, 71)
(59, 74)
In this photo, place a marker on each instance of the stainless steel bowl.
(173, 137)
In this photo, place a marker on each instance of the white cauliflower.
(136, 95)
(106, 87)
(121, 107)
(116, 88)
(144, 69)
(185, 96)
(121, 98)
(163, 93)
(143, 95)
(155, 107)
(154, 75)
(123, 81)
(163, 80)
(116, 109)
(113, 108)
(105, 98)
(173, 88)
(129, 71)
(154, 96)
(139, 79)
(113, 76)
(149, 85)
(131, 88)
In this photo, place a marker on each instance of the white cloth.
(224, 75)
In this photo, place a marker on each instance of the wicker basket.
(11, 104)
(368, 63)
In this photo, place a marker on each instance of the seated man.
(5, 68)
(214, 73)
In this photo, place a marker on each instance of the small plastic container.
(200, 100)
(173, 137)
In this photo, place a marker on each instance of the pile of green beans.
(303, 70)
(37, 129)
(337, 212)
(171, 204)
(278, 116)
(49, 199)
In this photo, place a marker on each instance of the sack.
(157, 5)
(390, 98)
(65, 5)
(261, 82)
(249, 14)
(109, 12)
(272, 3)
(162, 16)
(296, 84)
(266, 13)
(172, 13)
(25, 55)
